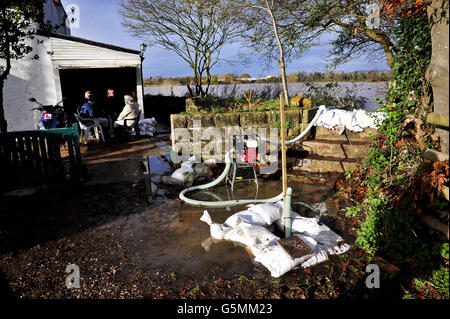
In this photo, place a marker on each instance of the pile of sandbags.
(253, 228)
(190, 172)
(355, 120)
(147, 127)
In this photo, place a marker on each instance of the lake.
(273, 90)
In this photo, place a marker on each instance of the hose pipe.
(231, 203)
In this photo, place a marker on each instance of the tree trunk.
(282, 63)
(208, 82)
(438, 69)
(3, 123)
(190, 90)
(389, 56)
(385, 43)
(283, 80)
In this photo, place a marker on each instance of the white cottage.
(61, 65)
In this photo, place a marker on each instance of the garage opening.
(75, 82)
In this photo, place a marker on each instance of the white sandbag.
(355, 120)
(308, 241)
(278, 261)
(263, 243)
(326, 239)
(300, 224)
(268, 212)
(252, 236)
(189, 162)
(317, 258)
(183, 174)
(275, 259)
(244, 233)
(339, 118)
(217, 231)
(246, 216)
(146, 127)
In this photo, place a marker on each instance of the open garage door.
(75, 82)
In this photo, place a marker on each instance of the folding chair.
(86, 124)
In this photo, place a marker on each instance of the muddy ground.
(129, 247)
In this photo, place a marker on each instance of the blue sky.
(99, 21)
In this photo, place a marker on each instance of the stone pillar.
(438, 69)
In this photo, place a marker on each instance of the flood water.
(273, 90)
(172, 236)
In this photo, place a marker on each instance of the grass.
(243, 279)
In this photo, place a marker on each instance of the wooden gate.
(32, 158)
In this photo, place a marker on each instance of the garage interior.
(75, 82)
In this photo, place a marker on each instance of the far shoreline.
(279, 83)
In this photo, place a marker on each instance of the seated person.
(112, 105)
(130, 112)
(88, 110)
(86, 94)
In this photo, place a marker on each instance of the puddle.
(172, 236)
(158, 168)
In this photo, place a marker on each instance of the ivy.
(395, 185)
(409, 92)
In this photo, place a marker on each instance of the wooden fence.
(33, 158)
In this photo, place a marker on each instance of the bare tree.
(266, 23)
(195, 30)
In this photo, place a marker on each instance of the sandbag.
(189, 172)
(146, 127)
(246, 216)
(355, 120)
(252, 236)
(278, 261)
(316, 258)
(268, 212)
(244, 233)
(326, 239)
(263, 243)
(183, 174)
(217, 231)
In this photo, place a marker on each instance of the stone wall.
(299, 119)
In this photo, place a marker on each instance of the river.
(272, 90)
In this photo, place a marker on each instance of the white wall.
(29, 78)
(139, 90)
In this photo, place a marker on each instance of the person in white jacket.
(130, 112)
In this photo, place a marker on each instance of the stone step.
(325, 164)
(323, 133)
(336, 148)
